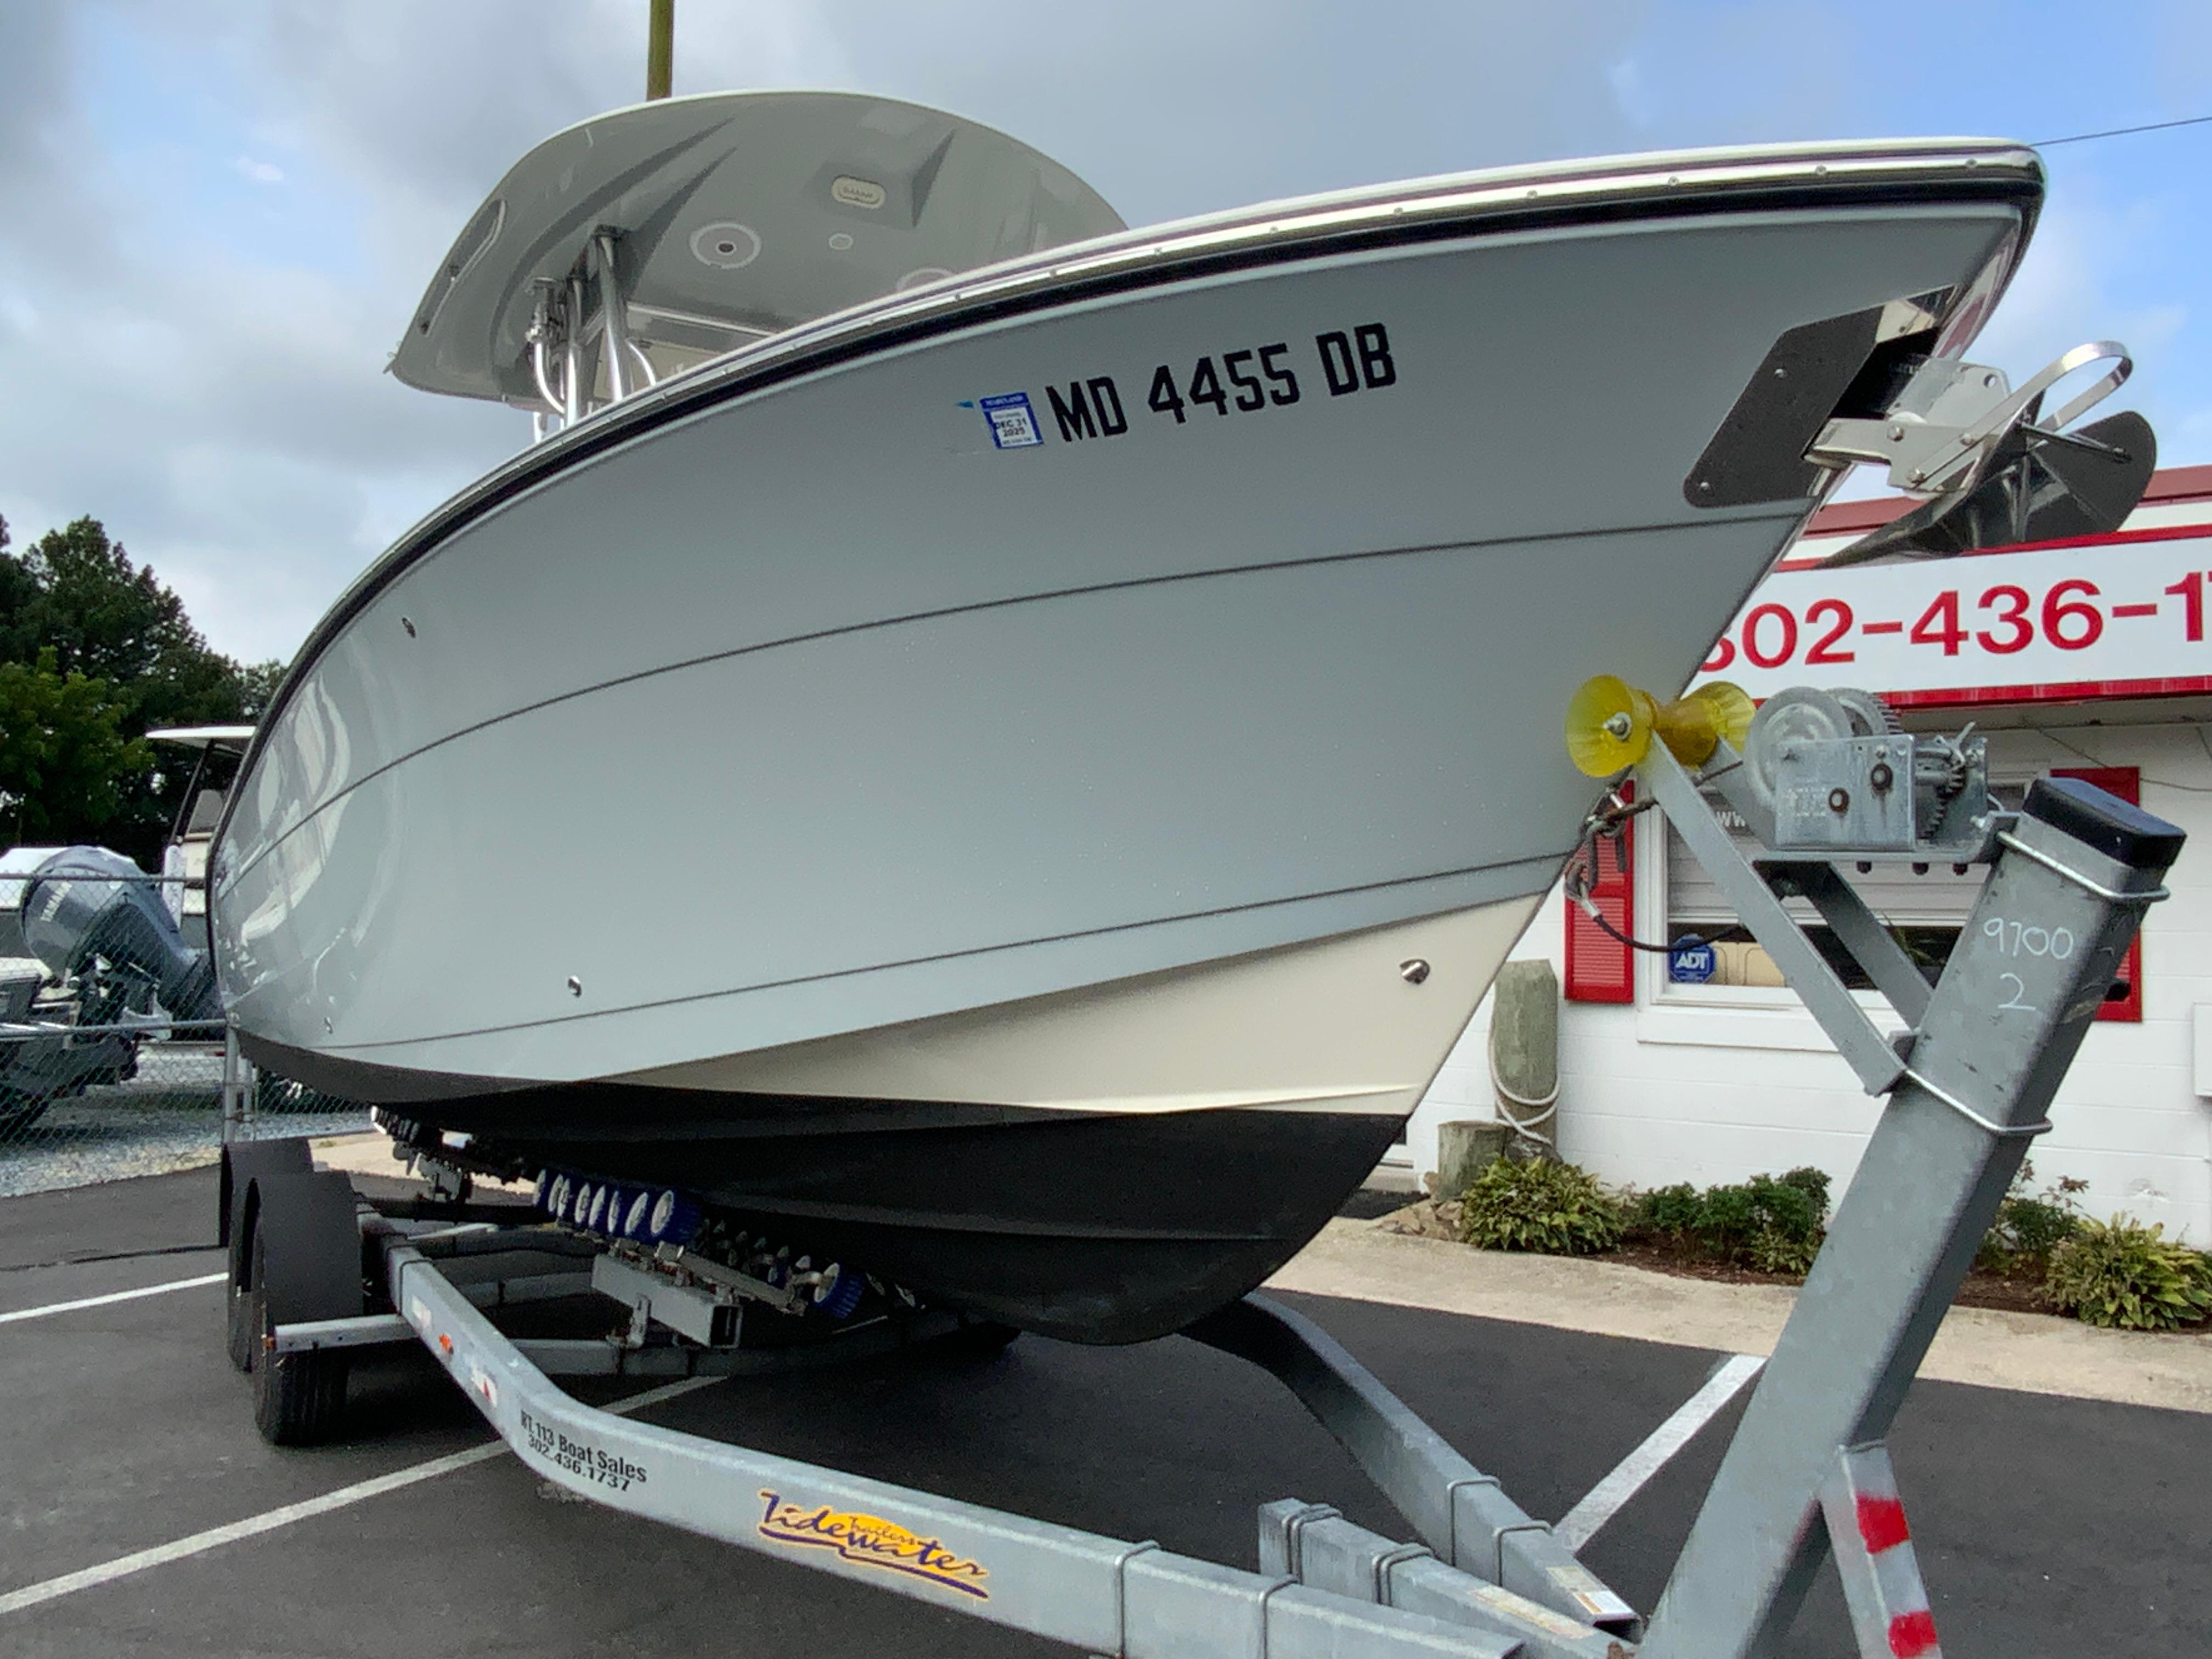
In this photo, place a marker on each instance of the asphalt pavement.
(2044, 1525)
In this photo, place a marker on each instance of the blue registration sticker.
(1013, 422)
(1691, 961)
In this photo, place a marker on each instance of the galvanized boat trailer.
(1969, 1081)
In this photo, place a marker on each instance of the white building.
(2089, 657)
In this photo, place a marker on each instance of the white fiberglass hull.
(806, 710)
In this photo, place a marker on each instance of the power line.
(2122, 132)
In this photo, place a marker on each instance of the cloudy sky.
(217, 214)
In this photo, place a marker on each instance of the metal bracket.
(2088, 884)
(1458, 1511)
(1988, 1126)
(1314, 1545)
(689, 1264)
(710, 1320)
(1942, 430)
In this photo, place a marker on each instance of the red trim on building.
(2069, 692)
(2167, 486)
(2164, 532)
(1600, 968)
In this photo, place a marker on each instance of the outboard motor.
(85, 903)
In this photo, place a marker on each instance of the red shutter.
(1600, 968)
(2126, 782)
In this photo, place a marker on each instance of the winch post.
(2046, 939)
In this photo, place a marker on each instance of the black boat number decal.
(1248, 381)
(1252, 378)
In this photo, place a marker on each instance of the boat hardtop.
(725, 217)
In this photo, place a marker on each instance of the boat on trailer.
(1002, 752)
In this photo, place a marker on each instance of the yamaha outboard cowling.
(86, 903)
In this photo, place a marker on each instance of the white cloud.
(1630, 93)
(2082, 280)
(207, 379)
(199, 362)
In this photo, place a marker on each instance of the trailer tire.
(299, 1399)
(236, 1220)
(240, 1323)
(304, 1263)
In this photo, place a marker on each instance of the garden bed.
(1982, 1289)
(1551, 1208)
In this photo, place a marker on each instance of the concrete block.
(1465, 1148)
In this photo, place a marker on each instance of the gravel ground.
(169, 1117)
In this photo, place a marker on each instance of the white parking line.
(113, 1296)
(1604, 1500)
(270, 1520)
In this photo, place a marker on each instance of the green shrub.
(1543, 1205)
(1768, 1223)
(1669, 1215)
(1813, 1183)
(1776, 1250)
(2120, 1273)
(1772, 1222)
(2037, 1226)
(2030, 1226)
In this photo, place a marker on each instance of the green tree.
(110, 619)
(75, 595)
(18, 591)
(256, 684)
(65, 763)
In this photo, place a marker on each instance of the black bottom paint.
(1091, 1227)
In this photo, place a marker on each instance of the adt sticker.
(1691, 961)
(1013, 422)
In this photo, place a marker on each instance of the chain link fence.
(107, 1101)
(102, 1074)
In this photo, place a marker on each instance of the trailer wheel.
(304, 1261)
(236, 1219)
(299, 1399)
(242, 1324)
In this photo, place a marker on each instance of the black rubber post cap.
(2105, 822)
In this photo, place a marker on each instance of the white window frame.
(1765, 1016)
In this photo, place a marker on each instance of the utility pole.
(659, 48)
